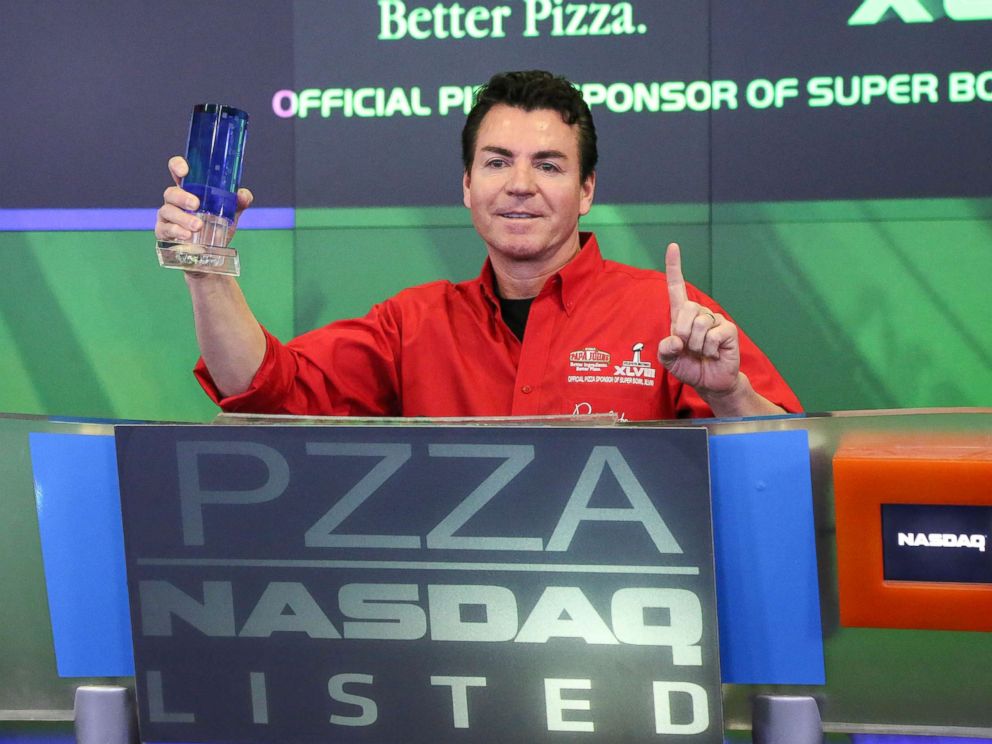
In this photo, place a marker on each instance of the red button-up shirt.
(442, 349)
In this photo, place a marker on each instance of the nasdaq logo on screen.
(871, 12)
(942, 540)
(936, 542)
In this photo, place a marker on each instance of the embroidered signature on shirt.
(585, 409)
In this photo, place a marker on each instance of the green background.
(861, 305)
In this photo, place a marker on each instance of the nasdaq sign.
(298, 584)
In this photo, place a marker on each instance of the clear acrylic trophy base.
(206, 252)
(207, 259)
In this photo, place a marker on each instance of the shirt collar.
(576, 276)
(570, 282)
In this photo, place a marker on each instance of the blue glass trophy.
(215, 154)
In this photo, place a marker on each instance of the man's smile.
(519, 215)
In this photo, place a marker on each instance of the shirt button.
(526, 389)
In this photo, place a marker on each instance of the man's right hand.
(230, 339)
(175, 220)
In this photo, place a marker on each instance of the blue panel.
(82, 545)
(49, 220)
(767, 589)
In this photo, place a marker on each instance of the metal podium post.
(782, 719)
(104, 714)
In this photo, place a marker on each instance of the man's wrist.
(739, 400)
(206, 286)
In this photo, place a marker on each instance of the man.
(548, 327)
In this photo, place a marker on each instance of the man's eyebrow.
(497, 150)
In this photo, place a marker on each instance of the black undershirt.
(515, 313)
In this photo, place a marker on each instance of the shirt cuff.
(259, 392)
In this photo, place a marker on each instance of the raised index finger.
(677, 296)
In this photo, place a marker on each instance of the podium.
(876, 679)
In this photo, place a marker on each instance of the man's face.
(524, 188)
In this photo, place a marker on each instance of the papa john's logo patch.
(589, 359)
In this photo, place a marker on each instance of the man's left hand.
(702, 350)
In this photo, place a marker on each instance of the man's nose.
(520, 180)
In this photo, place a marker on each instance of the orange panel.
(937, 469)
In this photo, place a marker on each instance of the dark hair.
(532, 90)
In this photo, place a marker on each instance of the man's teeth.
(518, 215)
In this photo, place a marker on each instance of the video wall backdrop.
(827, 168)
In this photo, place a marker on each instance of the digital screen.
(360, 103)
(922, 542)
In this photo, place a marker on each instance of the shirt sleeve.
(346, 368)
(764, 378)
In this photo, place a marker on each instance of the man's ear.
(586, 191)
(466, 193)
